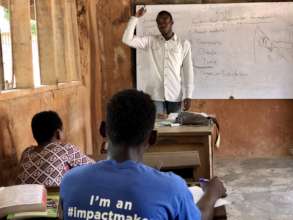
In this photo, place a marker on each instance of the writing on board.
(240, 50)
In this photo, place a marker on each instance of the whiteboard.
(242, 50)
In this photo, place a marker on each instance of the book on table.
(22, 198)
(50, 212)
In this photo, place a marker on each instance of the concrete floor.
(259, 189)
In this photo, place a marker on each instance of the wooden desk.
(188, 138)
(180, 159)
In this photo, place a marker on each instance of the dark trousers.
(167, 107)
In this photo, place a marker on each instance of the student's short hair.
(44, 125)
(164, 13)
(130, 117)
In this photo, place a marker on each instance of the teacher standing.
(169, 71)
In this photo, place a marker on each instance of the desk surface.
(185, 130)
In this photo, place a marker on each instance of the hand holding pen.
(214, 186)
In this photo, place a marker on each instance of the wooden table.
(188, 138)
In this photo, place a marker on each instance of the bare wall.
(112, 17)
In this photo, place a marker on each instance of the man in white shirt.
(169, 76)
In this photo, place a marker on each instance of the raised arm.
(129, 38)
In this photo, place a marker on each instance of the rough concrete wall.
(250, 128)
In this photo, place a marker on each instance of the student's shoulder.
(67, 145)
(70, 148)
(78, 172)
(27, 151)
(168, 178)
(175, 184)
(175, 181)
(172, 183)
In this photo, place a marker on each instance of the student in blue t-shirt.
(123, 188)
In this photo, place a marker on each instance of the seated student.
(47, 162)
(124, 188)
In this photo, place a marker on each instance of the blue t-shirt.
(109, 190)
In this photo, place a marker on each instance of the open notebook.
(197, 193)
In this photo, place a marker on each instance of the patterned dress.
(47, 165)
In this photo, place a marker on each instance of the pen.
(203, 183)
(203, 180)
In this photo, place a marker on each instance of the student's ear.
(59, 135)
(153, 138)
(103, 129)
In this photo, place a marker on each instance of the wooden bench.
(179, 162)
(179, 159)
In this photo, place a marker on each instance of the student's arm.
(214, 191)
(76, 157)
(187, 76)
(129, 38)
(182, 206)
(20, 167)
(60, 209)
(188, 210)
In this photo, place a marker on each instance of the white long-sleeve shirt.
(168, 74)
